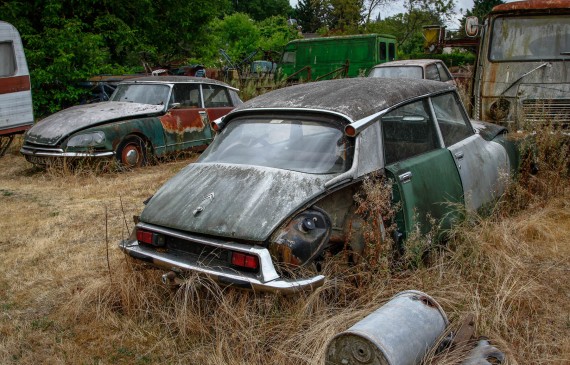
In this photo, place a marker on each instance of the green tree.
(346, 15)
(313, 14)
(237, 34)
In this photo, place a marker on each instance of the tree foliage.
(262, 9)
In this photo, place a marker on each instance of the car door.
(426, 183)
(483, 165)
(217, 100)
(187, 123)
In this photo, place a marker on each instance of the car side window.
(443, 74)
(432, 73)
(453, 123)
(216, 96)
(188, 95)
(408, 131)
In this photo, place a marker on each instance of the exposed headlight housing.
(302, 239)
(86, 140)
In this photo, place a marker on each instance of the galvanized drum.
(398, 333)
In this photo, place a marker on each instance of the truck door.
(483, 165)
(426, 182)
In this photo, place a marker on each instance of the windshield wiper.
(523, 76)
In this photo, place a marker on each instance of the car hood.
(236, 201)
(51, 130)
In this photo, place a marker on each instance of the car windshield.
(153, 94)
(391, 72)
(532, 38)
(308, 146)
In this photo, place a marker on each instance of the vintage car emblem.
(207, 200)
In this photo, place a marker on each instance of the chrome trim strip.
(60, 153)
(171, 262)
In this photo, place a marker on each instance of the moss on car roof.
(356, 98)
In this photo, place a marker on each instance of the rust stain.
(177, 123)
(532, 5)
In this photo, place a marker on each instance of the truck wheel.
(132, 152)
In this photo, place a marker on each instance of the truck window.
(7, 59)
(391, 51)
(289, 57)
(530, 38)
(382, 51)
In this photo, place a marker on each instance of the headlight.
(499, 110)
(301, 240)
(86, 140)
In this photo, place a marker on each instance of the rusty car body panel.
(522, 75)
(147, 115)
(275, 190)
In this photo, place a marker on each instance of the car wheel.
(132, 152)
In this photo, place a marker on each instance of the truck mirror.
(471, 26)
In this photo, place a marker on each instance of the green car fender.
(150, 129)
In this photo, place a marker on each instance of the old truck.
(16, 111)
(330, 57)
(522, 75)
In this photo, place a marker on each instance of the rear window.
(297, 144)
(407, 72)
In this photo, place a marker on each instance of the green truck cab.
(327, 58)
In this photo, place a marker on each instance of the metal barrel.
(398, 333)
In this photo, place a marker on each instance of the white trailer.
(16, 112)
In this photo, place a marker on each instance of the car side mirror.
(174, 106)
(471, 26)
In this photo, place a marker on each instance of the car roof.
(355, 98)
(417, 62)
(175, 79)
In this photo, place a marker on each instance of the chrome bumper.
(57, 152)
(266, 280)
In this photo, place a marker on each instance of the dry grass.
(68, 296)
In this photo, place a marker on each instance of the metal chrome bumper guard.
(267, 279)
(58, 152)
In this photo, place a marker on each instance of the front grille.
(546, 111)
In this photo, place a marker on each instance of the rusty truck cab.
(522, 74)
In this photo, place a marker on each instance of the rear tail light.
(150, 238)
(245, 260)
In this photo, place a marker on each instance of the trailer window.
(7, 59)
(531, 38)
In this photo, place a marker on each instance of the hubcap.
(131, 156)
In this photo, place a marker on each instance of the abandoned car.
(414, 69)
(276, 187)
(145, 117)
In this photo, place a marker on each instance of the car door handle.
(405, 177)
(459, 155)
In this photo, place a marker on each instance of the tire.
(132, 152)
